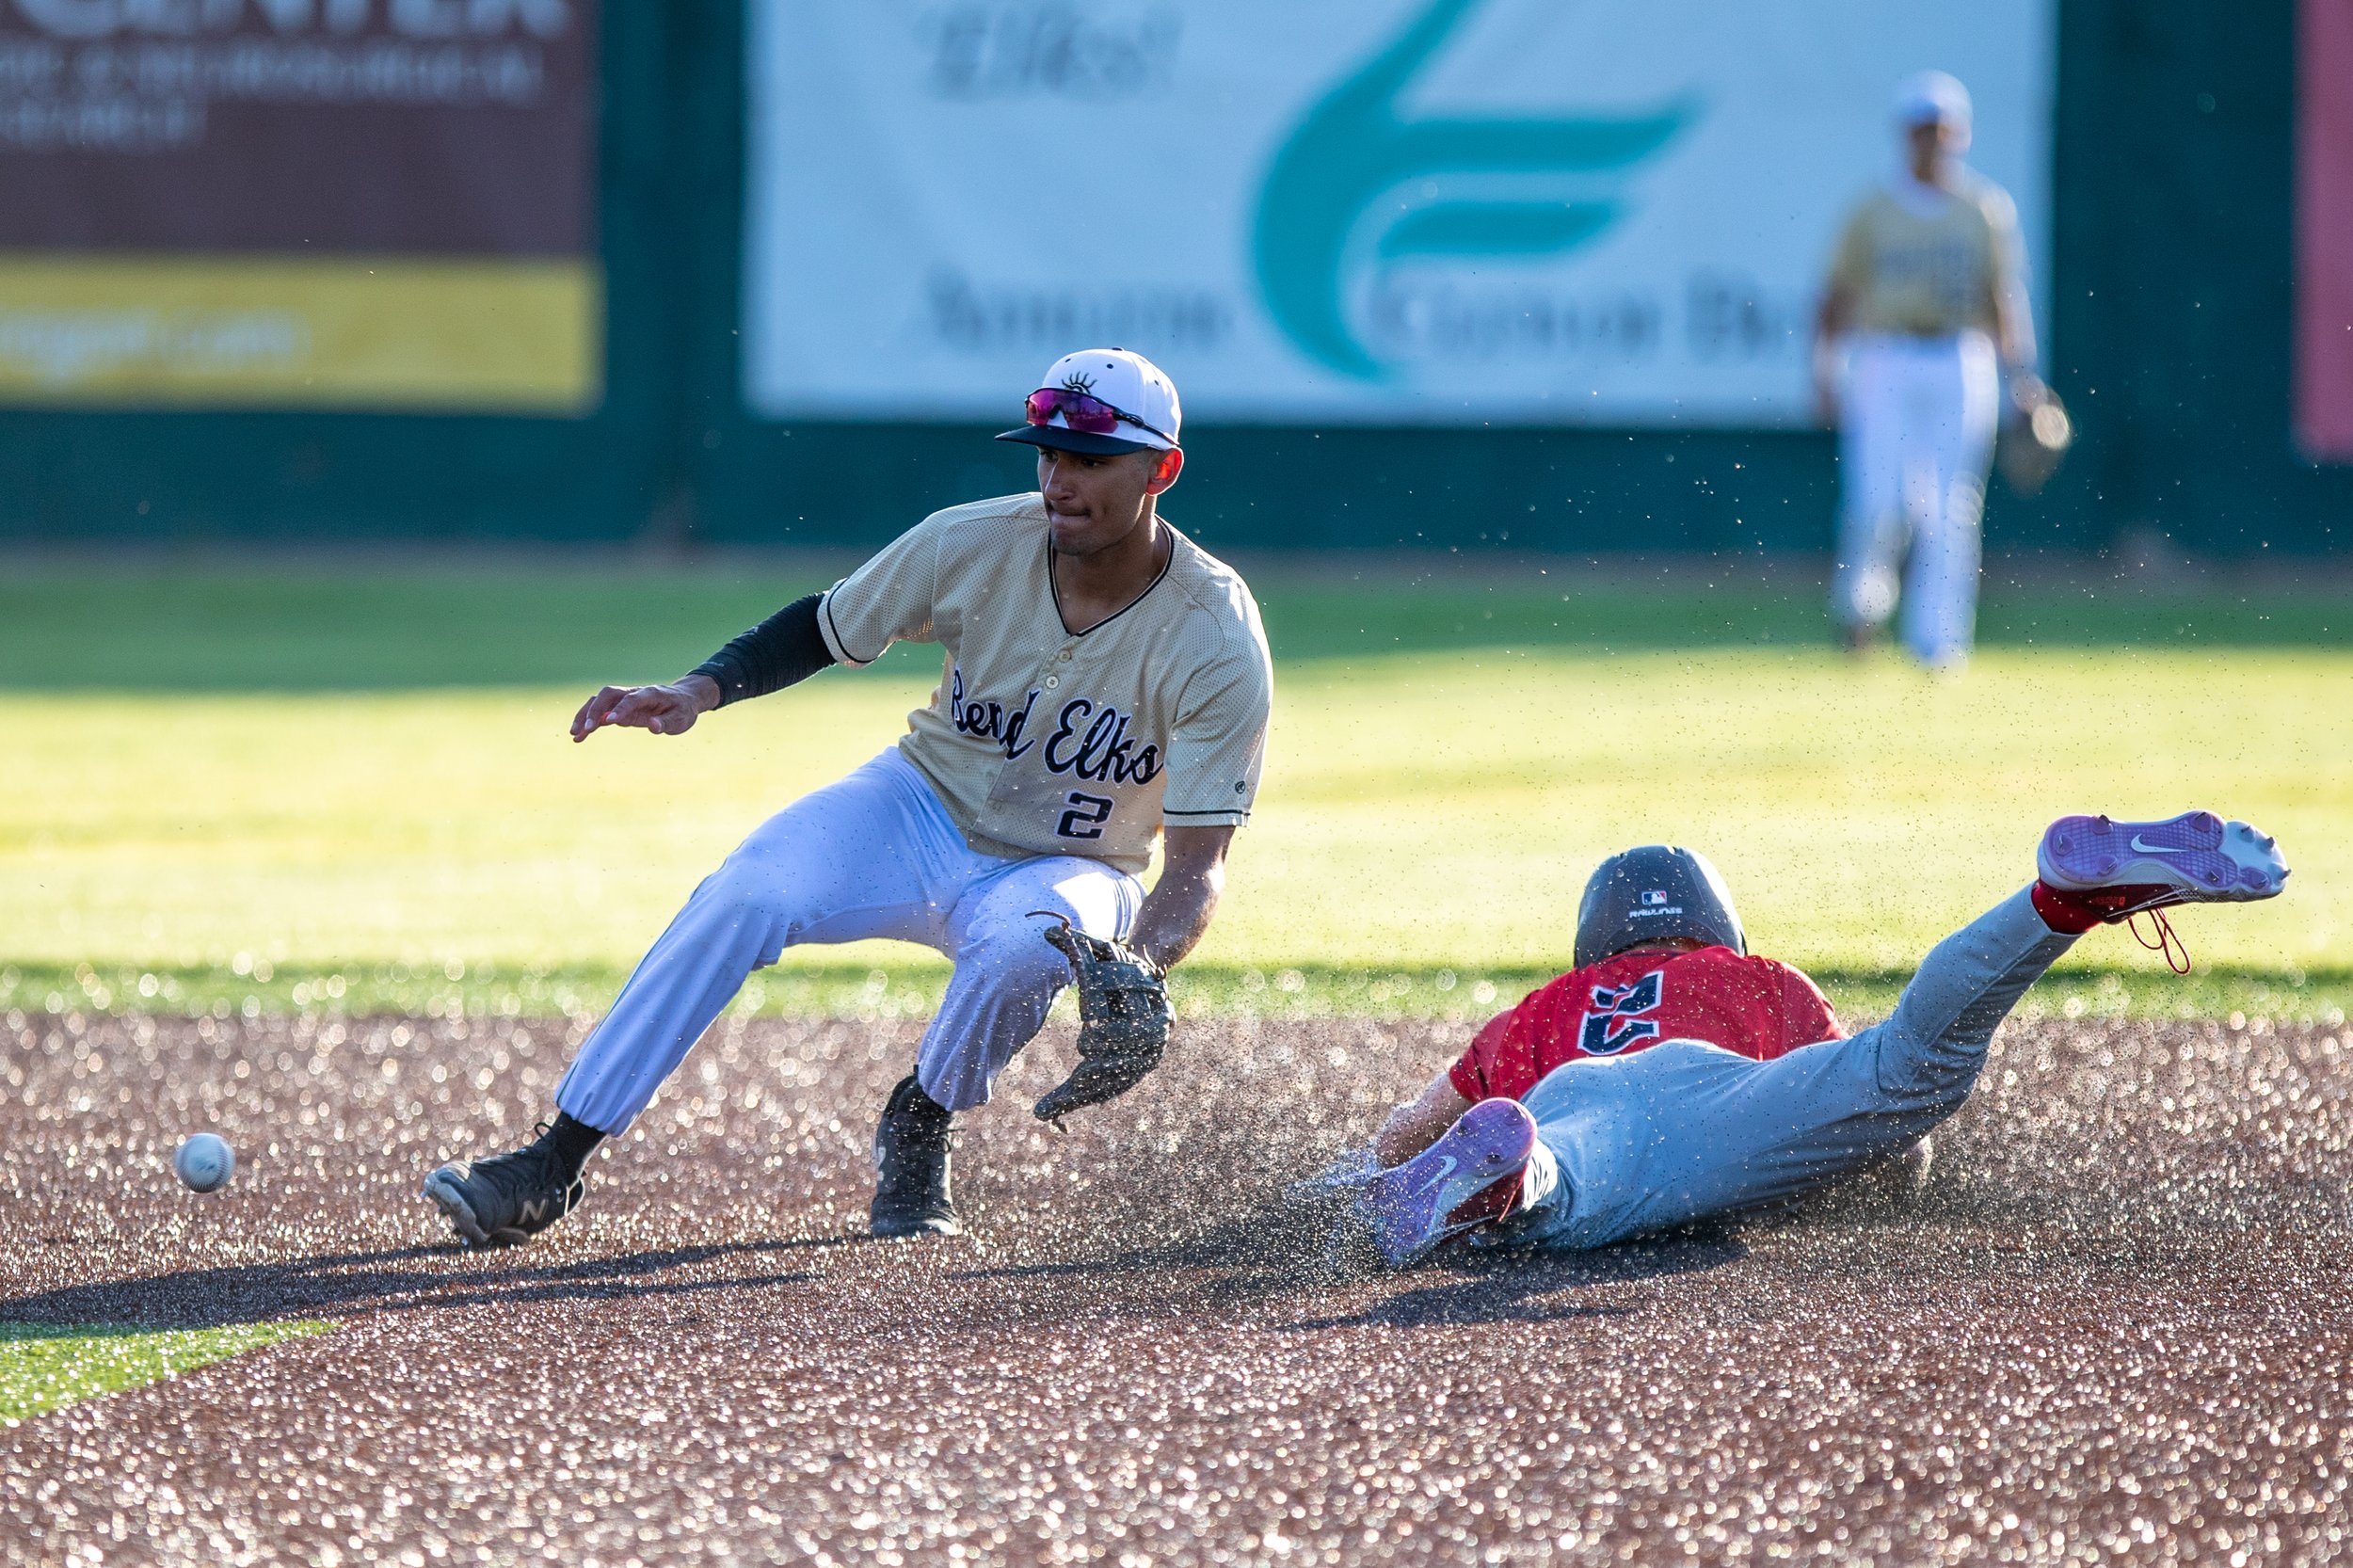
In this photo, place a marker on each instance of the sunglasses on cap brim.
(1082, 411)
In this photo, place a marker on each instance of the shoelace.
(2176, 954)
(578, 1181)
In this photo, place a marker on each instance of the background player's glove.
(1123, 1020)
(2035, 433)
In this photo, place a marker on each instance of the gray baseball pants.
(1628, 1146)
(872, 855)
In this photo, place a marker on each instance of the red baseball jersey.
(1753, 1007)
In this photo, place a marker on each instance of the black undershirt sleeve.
(782, 650)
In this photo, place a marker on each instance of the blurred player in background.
(1928, 301)
(1672, 1075)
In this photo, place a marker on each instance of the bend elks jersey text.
(1753, 1007)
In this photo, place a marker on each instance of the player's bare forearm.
(2009, 342)
(1420, 1122)
(1176, 913)
(670, 710)
(1834, 315)
(1831, 323)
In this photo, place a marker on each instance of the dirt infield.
(2114, 1326)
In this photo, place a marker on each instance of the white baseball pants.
(1915, 441)
(1629, 1146)
(872, 855)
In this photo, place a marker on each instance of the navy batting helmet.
(1655, 892)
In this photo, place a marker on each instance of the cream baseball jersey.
(1043, 741)
(1931, 264)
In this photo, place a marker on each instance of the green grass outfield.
(349, 786)
(44, 1366)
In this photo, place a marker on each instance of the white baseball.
(205, 1162)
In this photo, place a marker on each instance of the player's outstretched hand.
(2028, 391)
(670, 710)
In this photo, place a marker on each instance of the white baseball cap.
(1140, 398)
(1932, 97)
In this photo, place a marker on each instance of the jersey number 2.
(1085, 811)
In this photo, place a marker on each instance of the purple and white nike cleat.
(1469, 1177)
(2196, 857)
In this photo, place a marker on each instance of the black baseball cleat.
(505, 1200)
(911, 1166)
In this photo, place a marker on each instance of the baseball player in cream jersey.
(1105, 679)
(1927, 297)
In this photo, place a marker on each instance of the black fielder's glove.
(1123, 1020)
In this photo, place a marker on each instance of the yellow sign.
(392, 333)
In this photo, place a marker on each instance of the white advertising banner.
(1533, 212)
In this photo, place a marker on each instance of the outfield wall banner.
(1382, 211)
(367, 204)
(2324, 229)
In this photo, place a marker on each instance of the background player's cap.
(1126, 380)
(1932, 97)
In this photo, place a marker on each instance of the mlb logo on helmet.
(1651, 904)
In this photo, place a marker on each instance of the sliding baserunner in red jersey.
(1672, 1075)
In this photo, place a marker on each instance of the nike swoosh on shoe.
(1409, 1221)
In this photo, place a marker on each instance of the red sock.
(2072, 914)
(1495, 1201)
(2064, 912)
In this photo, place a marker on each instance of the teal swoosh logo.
(1354, 145)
